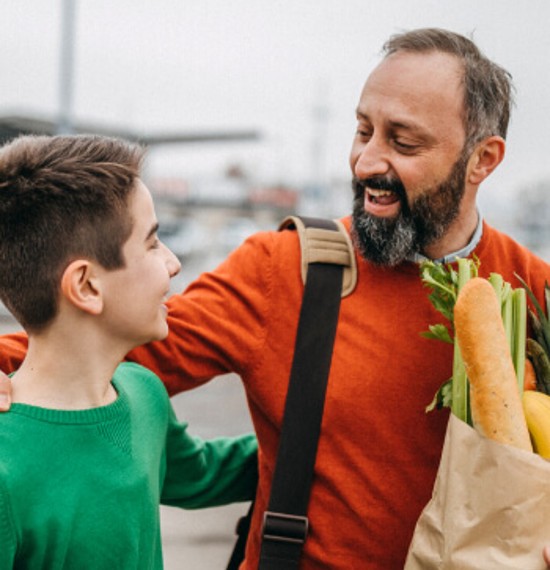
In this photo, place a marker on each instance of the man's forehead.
(405, 85)
(417, 71)
(421, 93)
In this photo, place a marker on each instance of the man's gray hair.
(488, 88)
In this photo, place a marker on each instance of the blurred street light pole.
(316, 193)
(66, 67)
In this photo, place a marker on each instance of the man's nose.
(371, 159)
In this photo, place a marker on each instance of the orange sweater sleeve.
(13, 348)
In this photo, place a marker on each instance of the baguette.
(495, 400)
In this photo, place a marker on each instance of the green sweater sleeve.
(8, 544)
(207, 473)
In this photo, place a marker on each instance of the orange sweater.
(379, 451)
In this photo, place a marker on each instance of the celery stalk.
(514, 317)
(459, 390)
(519, 301)
(460, 396)
(503, 292)
(497, 282)
(507, 311)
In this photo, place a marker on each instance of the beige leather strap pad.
(325, 246)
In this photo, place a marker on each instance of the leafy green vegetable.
(538, 349)
(442, 398)
(541, 364)
(445, 283)
(439, 332)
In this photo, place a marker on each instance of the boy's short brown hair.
(61, 198)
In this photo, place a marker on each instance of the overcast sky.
(262, 64)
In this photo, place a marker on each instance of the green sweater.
(81, 489)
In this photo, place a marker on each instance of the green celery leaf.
(442, 398)
(438, 332)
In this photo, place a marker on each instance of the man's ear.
(487, 155)
(80, 285)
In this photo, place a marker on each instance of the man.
(432, 120)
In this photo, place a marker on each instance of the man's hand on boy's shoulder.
(5, 392)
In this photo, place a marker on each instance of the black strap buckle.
(282, 527)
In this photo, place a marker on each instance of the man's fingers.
(5, 392)
(546, 555)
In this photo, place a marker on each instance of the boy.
(90, 447)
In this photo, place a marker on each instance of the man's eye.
(405, 146)
(155, 244)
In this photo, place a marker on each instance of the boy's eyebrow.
(154, 229)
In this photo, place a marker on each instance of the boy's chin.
(160, 334)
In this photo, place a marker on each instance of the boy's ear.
(80, 285)
(487, 155)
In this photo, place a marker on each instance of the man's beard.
(388, 242)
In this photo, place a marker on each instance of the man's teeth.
(379, 193)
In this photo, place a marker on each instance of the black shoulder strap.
(286, 524)
(242, 530)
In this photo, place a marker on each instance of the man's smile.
(383, 197)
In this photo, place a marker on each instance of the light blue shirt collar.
(464, 252)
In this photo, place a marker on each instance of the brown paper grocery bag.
(490, 507)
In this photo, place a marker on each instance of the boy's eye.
(363, 133)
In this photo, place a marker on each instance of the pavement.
(201, 539)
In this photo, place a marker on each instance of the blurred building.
(12, 126)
